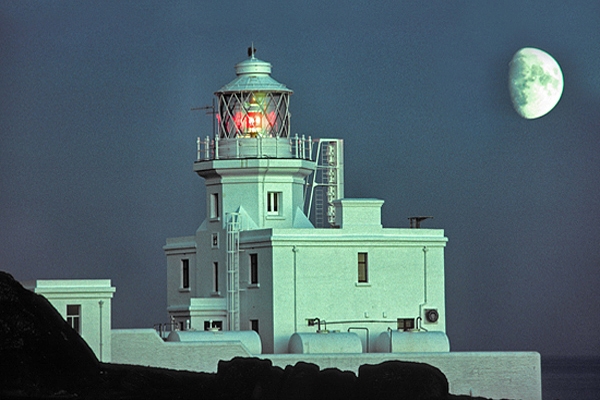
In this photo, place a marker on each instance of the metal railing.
(257, 147)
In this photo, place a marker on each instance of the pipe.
(419, 320)
(366, 329)
(295, 251)
(100, 304)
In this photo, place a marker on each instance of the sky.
(98, 139)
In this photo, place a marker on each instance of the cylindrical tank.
(412, 342)
(331, 342)
(250, 339)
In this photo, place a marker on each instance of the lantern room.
(253, 105)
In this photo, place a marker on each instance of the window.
(254, 325)
(214, 205)
(214, 240)
(213, 325)
(74, 317)
(215, 277)
(273, 203)
(362, 268)
(185, 274)
(253, 269)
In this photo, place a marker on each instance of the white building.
(259, 278)
(258, 263)
(85, 305)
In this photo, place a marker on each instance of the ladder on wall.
(326, 184)
(233, 271)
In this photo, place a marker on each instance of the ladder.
(233, 271)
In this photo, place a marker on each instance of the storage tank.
(250, 339)
(412, 342)
(324, 342)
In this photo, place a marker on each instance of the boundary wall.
(496, 375)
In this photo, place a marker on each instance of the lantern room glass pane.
(253, 114)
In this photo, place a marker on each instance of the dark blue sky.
(97, 142)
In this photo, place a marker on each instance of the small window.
(254, 269)
(363, 268)
(214, 240)
(74, 317)
(254, 325)
(214, 205)
(273, 203)
(213, 325)
(215, 277)
(185, 274)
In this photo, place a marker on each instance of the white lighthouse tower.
(258, 263)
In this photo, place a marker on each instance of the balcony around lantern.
(254, 147)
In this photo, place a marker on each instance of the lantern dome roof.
(253, 75)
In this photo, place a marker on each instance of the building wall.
(246, 182)
(178, 297)
(94, 298)
(497, 375)
(145, 347)
(313, 273)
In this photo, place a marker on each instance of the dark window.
(273, 203)
(208, 325)
(254, 325)
(254, 268)
(363, 267)
(214, 205)
(74, 316)
(215, 276)
(185, 274)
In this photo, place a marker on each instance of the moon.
(535, 82)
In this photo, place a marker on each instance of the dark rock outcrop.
(41, 357)
(39, 352)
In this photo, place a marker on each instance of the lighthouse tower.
(254, 169)
(264, 261)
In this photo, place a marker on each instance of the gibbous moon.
(535, 82)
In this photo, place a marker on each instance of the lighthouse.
(282, 253)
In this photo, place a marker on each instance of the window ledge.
(253, 285)
(185, 290)
(215, 294)
(362, 284)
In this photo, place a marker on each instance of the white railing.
(257, 147)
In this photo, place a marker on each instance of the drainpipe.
(100, 304)
(425, 250)
(295, 251)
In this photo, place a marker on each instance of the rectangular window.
(363, 267)
(214, 205)
(213, 325)
(214, 240)
(273, 203)
(185, 274)
(74, 317)
(215, 277)
(254, 325)
(253, 269)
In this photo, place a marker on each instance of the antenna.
(212, 112)
(251, 51)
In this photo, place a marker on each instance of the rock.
(401, 380)
(40, 353)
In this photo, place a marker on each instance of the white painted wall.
(498, 375)
(94, 296)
